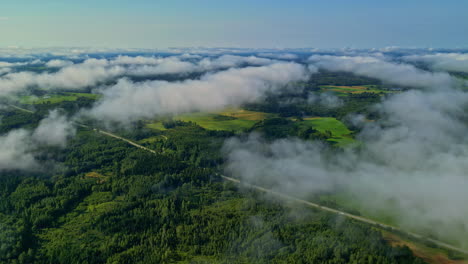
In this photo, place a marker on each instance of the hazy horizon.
(268, 24)
(241, 131)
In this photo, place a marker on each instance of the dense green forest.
(105, 201)
(118, 204)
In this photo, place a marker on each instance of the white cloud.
(443, 61)
(15, 64)
(128, 101)
(5, 64)
(89, 73)
(92, 72)
(389, 72)
(58, 63)
(18, 147)
(139, 60)
(169, 65)
(229, 61)
(412, 163)
(281, 56)
(4, 71)
(15, 151)
(190, 56)
(325, 99)
(54, 130)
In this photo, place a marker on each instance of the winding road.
(21, 109)
(109, 134)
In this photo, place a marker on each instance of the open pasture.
(340, 133)
(346, 90)
(55, 98)
(230, 119)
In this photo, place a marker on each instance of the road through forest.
(307, 203)
(287, 197)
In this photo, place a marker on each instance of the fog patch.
(412, 163)
(19, 147)
(325, 99)
(127, 101)
(456, 62)
(92, 72)
(54, 130)
(389, 72)
(58, 63)
(280, 56)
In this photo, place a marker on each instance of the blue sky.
(239, 23)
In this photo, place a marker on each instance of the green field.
(231, 119)
(55, 98)
(245, 114)
(212, 121)
(347, 90)
(156, 125)
(239, 120)
(340, 133)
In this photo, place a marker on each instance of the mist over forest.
(374, 133)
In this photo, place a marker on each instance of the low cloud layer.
(457, 62)
(281, 56)
(325, 99)
(412, 164)
(16, 151)
(89, 73)
(127, 101)
(230, 61)
(54, 130)
(58, 63)
(92, 72)
(4, 71)
(18, 147)
(388, 72)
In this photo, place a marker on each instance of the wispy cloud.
(19, 147)
(92, 72)
(2, 18)
(386, 71)
(128, 101)
(442, 61)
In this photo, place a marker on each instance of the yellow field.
(430, 255)
(245, 114)
(236, 119)
(352, 89)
